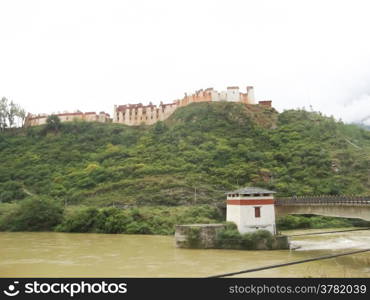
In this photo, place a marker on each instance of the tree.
(53, 123)
(11, 114)
(20, 115)
(3, 113)
(34, 214)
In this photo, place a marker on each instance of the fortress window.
(257, 212)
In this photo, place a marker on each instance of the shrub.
(33, 214)
(53, 123)
(230, 238)
(193, 237)
(261, 235)
(81, 220)
(310, 221)
(11, 190)
(117, 223)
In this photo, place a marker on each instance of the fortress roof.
(251, 190)
(70, 114)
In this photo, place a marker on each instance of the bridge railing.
(323, 200)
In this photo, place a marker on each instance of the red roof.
(70, 114)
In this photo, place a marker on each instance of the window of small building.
(256, 195)
(266, 194)
(246, 195)
(257, 212)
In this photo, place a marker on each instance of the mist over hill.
(196, 155)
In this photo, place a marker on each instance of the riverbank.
(45, 215)
(42, 214)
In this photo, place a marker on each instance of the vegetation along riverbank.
(90, 177)
(43, 214)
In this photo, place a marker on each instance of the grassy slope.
(193, 157)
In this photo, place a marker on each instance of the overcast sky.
(90, 55)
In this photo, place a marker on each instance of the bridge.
(331, 206)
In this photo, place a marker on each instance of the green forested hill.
(193, 157)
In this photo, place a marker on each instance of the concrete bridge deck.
(333, 206)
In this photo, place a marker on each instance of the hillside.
(193, 157)
(362, 125)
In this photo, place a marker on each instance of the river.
(49, 254)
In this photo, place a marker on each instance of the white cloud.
(357, 110)
(64, 55)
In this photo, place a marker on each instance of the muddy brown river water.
(49, 254)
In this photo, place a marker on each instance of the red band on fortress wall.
(250, 202)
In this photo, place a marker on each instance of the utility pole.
(195, 194)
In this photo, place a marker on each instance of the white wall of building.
(250, 91)
(244, 217)
(233, 94)
(215, 96)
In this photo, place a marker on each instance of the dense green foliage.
(201, 151)
(41, 214)
(53, 123)
(230, 238)
(143, 220)
(32, 214)
(311, 221)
